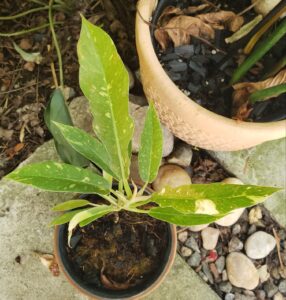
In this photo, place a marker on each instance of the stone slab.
(24, 216)
(261, 165)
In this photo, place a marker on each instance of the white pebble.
(210, 237)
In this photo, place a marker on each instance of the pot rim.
(144, 293)
(145, 9)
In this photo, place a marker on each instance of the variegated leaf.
(150, 153)
(104, 81)
(60, 177)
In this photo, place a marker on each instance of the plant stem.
(56, 44)
(109, 199)
(259, 52)
(24, 13)
(127, 188)
(264, 94)
(26, 30)
(140, 193)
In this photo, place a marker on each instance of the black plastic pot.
(137, 292)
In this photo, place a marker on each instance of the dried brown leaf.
(112, 285)
(240, 105)
(181, 28)
(195, 9)
(49, 261)
(222, 19)
(162, 38)
(168, 13)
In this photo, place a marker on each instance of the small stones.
(210, 237)
(255, 215)
(241, 271)
(220, 264)
(171, 175)
(229, 296)
(278, 296)
(182, 155)
(183, 236)
(263, 274)
(185, 51)
(259, 245)
(207, 272)
(270, 288)
(177, 66)
(260, 295)
(185, 251)
(196, 228)
(235, 244)
(192, 243)
(282, 286)
(236, 229)
(194, 260)
(225, 287)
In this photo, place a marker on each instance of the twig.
(210, 3)
(248, 8)
(20, 88)
(56, 44)
(52, 65)
(277, 238)
(17, 33)
(178, 28)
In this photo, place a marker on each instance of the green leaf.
(86, 145)
(104, 81)
(170, 215)
(71, 204)
(95, 213)
(66, 217)
(150, 153)
(59, 177)
(265, 94)
(57, 111)
(211, 199)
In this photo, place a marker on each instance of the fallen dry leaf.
(168, 13)
(49, 261)
(195, 9)
(6, 134)
(240, 105)
(222, 19)
(11, 152)
(180, 29)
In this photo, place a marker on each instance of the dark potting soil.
(118, 251)
(202, 73)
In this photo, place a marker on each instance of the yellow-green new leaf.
(95, 213)
(87, 146)
(104, 81)
(60, 177)
(66, 217)
(211, 199)
(71, 204)
(150, 153)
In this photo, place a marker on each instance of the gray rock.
(210, 237)
(241, 271)
(192, 243)
(225, 287)
(244, 297)
(252, 167)
(229, 296)
(235, 244)
(251, 229)
(194, 260)
(236, 229)
(182, 155)
(81, 115)
(139, 119)
(282, 286)
(260, 295)
(259, 245)
(270, 288)
(220, 264)
(224, 276)
(207, 272)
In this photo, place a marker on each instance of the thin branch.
(248, 8)
(56, 44)
(22, 14)
(277, 238)
(21, 32)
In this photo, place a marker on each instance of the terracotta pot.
(137, 292)
(186, 119)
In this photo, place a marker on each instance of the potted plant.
(116, 240)
(183, 116)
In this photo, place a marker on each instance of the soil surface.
(119, 251)
(25, 87)
(203, 70)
